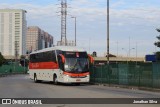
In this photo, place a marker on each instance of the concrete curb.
(5, 75)
(129, 87)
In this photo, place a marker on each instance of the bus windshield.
(76, 65)
(76, 62)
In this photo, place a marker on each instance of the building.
(37, 39)
(12, 32)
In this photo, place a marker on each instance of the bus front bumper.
(69, 79)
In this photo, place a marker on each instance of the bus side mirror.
(62, 57)
(91, 60)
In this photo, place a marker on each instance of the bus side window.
(50, 56)
(37, 57)
(32, 58)
(40, 57)
(53, 56)
(44, 57)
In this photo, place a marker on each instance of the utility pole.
(75, 19)
(63, 22)
(108, 32)
(89, 44)
(75, 31)
(16, 54)
(16, 51)
(117, 48)
(136, 53)
(129, 48)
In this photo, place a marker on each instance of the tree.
(23, 56)
(24, 61)
(158, 37)
(2, 59)
(158, 45)
(158, 56)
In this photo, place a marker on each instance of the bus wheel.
(55, 80)
(35, 79)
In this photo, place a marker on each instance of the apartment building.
(12, 32)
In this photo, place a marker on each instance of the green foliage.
(23, 56)
(158, 56)
(158, 45)
(24, 61)
(158, 37)
(158, 30)
(2, 59)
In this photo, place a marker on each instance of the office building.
(37, 39)
(12, 32)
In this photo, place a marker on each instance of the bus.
(60, 64)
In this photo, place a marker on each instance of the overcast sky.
(134, 19)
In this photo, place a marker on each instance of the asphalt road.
(20, 86)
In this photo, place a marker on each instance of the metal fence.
(130, 74)
(13, 68)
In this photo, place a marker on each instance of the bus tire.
(55, 80)
(35, 79)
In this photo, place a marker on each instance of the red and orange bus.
(62, 64)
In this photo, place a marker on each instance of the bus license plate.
(78, 79)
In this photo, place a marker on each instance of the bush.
(158, 56)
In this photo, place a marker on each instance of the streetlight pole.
(136, 53)
(108, 32)
(89, 45)
(117, 48)
(75, 29)
(129, 47)
(130, 51)
(126, 52)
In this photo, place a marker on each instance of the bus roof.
(62, 48)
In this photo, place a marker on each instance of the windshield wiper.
(74, 65)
